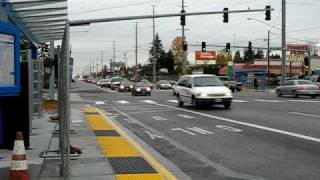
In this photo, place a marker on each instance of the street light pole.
(268, 58)
(154, 70)
(283, 59)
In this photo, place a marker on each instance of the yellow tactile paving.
(89, 110)
(139, 177)
(117, 147)
(98, 122)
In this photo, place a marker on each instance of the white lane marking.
(301, 136)
(173, 101)
(149, 101)
(153, 136)
(239, 101)
(99, 102)
(159, 118)
(304, 114)
(186, 116)
(183, 130)
(228, 128)
(305, 101)
(122, 102)
(266, 100)
(200, 130)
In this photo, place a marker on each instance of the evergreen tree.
(259, 54)
(237, 57)
(156, 52)
(170, 61)
(248, 56)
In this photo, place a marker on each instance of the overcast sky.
(303, 23)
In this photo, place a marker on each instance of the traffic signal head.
(225, 15)
(184, 45)
(268, 13)
(228, 47)
(182, 19)
(250, 46)
(203, 46)
(306, 61)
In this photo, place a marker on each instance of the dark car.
(125, 86)
(141, 88)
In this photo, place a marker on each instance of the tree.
(223, 57)
(248, 56)
(170, 61)
(237, 57)
(259, 54)
(156, 52)
(177, 50)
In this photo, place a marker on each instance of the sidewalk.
(105, 155)
(91, 164)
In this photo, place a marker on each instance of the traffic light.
(184, 46)
(228, 47)
(306, 61)
(268, 13)
(225, 15)
(250, 46)
(203, 46)
(183, 18)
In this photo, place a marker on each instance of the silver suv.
(200, 90)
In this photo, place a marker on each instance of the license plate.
(218, 100)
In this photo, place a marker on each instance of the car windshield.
(303, 82)
(141, 84)
(207, 81)
(223, 78)
(163, 82)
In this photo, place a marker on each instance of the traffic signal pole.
(125, 18)
(184, 55)
(284, 52)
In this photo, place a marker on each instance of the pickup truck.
(231, 84)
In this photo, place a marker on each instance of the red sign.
(208, 55)
(297, 47)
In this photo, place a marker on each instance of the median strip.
(128, 159)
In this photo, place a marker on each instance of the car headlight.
(202, 94)
(148, 89)
(131, 86)
(138, 89)
(228, 94)
(122, 87)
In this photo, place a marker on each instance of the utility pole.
(136, 53)
(125, 59)
(114, 57)
(154, 50)
(284, 52)
(268, 59)
(101, 63)
(184, 55)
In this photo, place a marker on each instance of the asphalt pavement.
(261, 137)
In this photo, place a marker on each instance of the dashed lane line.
(304, 114)
(292, 134)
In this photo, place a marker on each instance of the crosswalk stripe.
(239, 101)
(266, 100)
(99, 102)
(122, 102)
(173, 101)
(306, 101)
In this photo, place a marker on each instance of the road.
(261, 137)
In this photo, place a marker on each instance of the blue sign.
(9, 60)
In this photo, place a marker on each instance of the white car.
(201, 90)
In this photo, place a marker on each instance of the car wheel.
(278, 92)
(180, 103)
(194, 102)
(313, 96)
(133, 94)
(294, 94)
(227, 105)
(232, 89)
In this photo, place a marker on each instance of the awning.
(39, 20)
